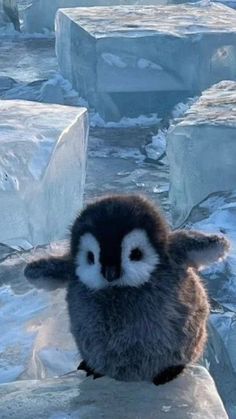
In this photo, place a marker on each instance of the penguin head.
(118, 241)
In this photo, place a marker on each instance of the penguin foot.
(168, 374)
(83, 366)
(97, 375)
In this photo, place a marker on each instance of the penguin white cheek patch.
(139, 258)
(88, 267)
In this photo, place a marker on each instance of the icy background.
(148, 62)
(124, 156)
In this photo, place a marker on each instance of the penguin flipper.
(197, 249)
(53, 267)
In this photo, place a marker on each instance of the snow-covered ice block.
(192, 395)
(40, 15)
(42, 170)
(202, 148)
(129, 60)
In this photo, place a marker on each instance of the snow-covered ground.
(27, 60)
(125, 156)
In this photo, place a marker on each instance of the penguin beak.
(111, 274)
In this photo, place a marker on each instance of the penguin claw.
(168, 374)
(83, 366)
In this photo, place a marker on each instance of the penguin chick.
(137, 307)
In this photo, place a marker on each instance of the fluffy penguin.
(137, 306)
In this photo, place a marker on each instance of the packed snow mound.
(201, 150)
(42, 170)
(156, 149)
(145, 59)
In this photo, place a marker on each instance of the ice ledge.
(191, 395)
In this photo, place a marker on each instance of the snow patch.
(156, 149)
(141, 121)
(181, 107)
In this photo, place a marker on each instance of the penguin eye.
(90, 258)
(136, 254)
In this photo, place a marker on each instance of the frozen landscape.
(181, 154)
